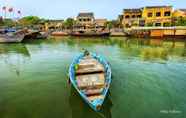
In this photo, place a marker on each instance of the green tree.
(180, 21)
(69, 22)
(108, 24)
(112, 24)
(7, 23)
(29, 20)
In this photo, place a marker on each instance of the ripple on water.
(33, 81)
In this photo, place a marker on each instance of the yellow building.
(131, 17)
(100, 24)
(179, 13)
(157, 15)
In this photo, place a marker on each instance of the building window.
(167, 13)
(127, 25)
(149, 24)
(149, 14)
(80, 20)
(166, 24)
(157, 24)
(142, 23)
(138, 16)
(84, 19)
(158, 14)
(133, 16)
(127, 16)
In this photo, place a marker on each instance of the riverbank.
(158, 32)
(140, 32)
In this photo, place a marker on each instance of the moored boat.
(90, 74)
(35, 34)
(59, 33)
(90, 34)
(12, 37)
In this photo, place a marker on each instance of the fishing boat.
(90, 34)
(59, 33)
(90, 74)
(34, 35)
(11, 37)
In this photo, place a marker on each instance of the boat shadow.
(80, 109)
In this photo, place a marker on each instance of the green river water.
(149, 78)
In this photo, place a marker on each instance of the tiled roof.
(183, 10)
(88, 14)
(100, 20)
(157, 6)
(132, 10)
(55, 20)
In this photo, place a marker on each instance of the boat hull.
(104, 34)
(34, 35)
(59, 33)
(96, 104)
(4, 38)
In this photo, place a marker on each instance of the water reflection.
(40, 89)
(14, 55)
(184, 50)
(154, 53)
(144, 49)
(81, 110)
(14, 48)
(153, 49)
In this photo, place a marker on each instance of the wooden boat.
(34, 34)
(59, 33)
(90, 34)
(12, 37)
(91, 77)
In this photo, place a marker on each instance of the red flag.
(10, 9)
(4, 8)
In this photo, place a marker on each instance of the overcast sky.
(61, 9)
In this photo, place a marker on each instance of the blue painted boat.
(91, 77)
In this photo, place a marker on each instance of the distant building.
(179, 13)
(157, 15)
(100, 24)
(131, 17)
(148, 16)
(54, 24)
(86, 18)
(85, 22)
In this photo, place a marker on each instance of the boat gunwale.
(108, 73)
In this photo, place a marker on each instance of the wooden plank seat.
(90, 92)
(91, 98)
(90, 81)
(89, 66)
